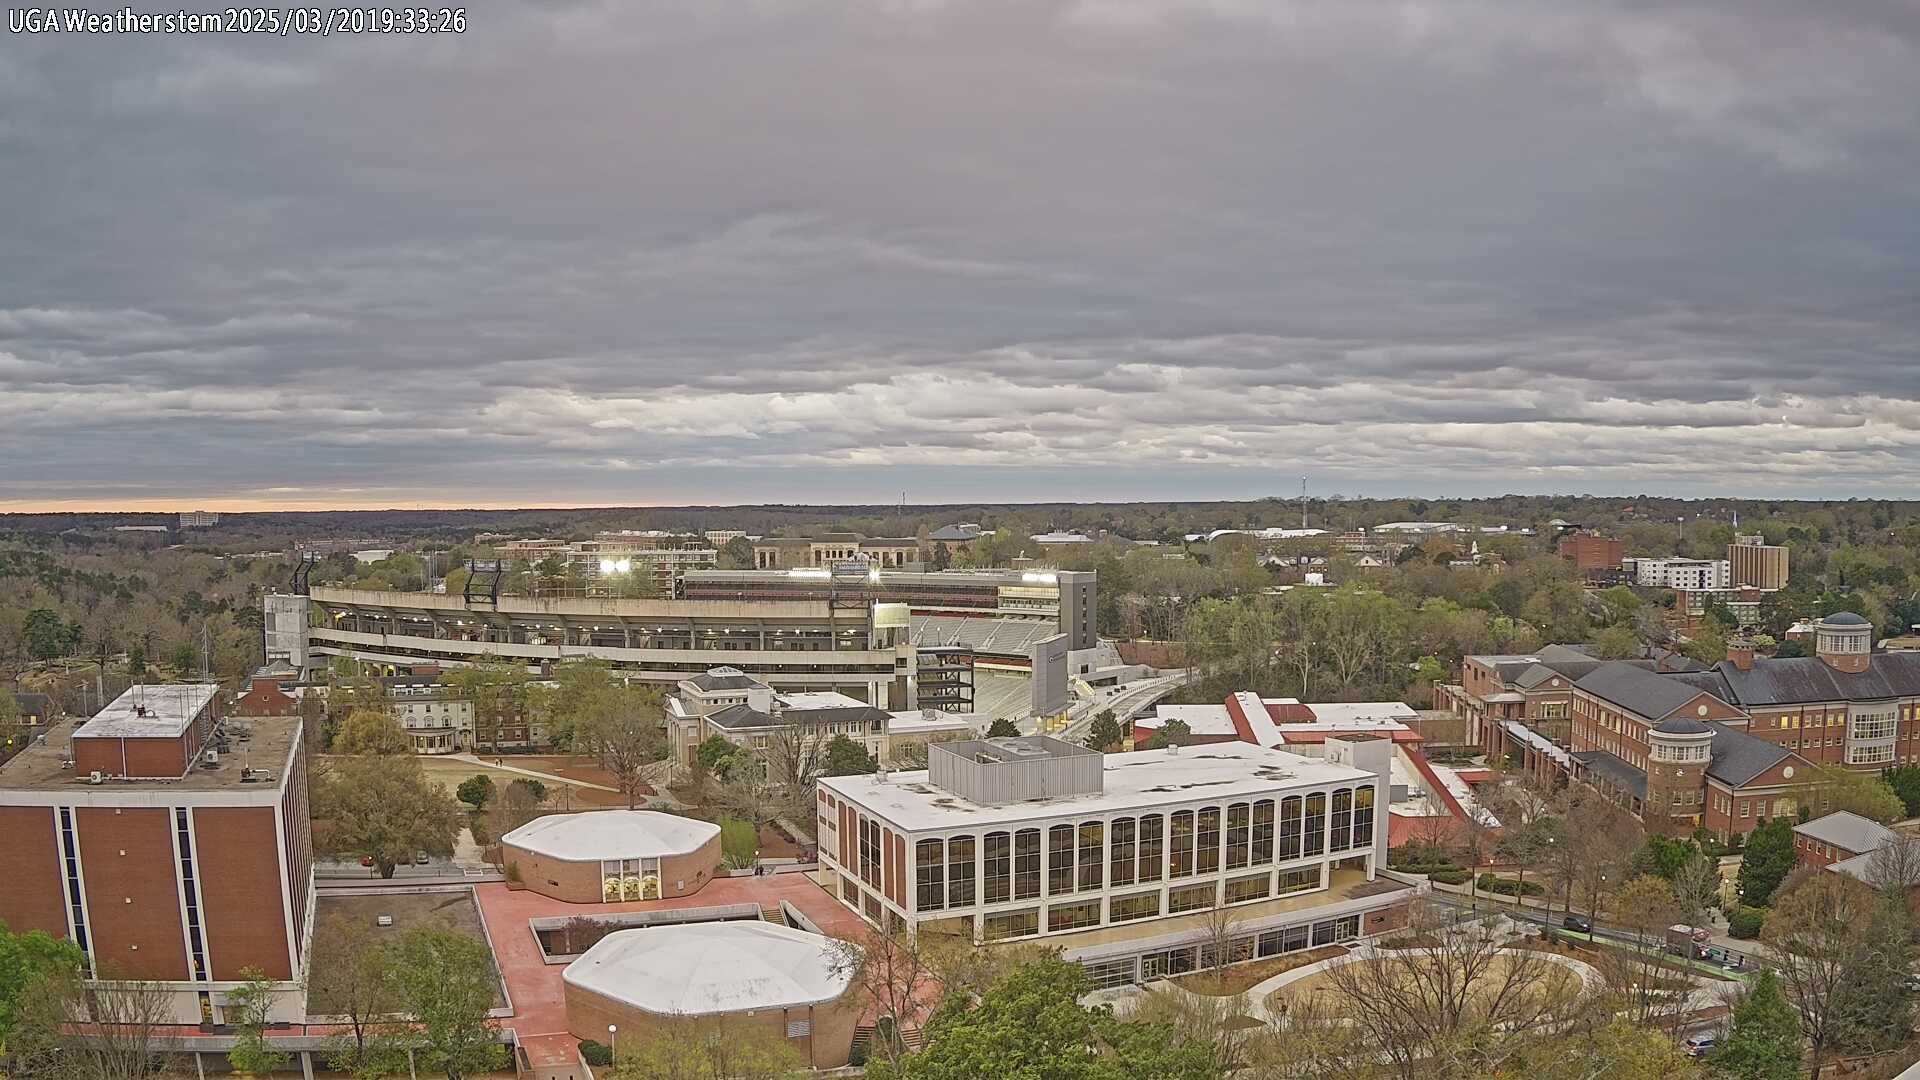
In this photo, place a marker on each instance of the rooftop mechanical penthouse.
(170, 843)
(1118, 859)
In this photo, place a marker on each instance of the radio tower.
(1303, 503)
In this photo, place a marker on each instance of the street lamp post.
(613, 1045)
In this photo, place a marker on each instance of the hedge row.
(1492, 884)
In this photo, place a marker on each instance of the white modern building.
(1678, 573)
(1120, 860)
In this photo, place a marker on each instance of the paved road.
(1619, 935)
(1126, 701)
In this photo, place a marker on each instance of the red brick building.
(1837, 837)
(1589, 552)
(1638, 729)
(171, 845)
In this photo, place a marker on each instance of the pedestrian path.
(545, 778)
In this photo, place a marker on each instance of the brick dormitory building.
(1685, 746)
(169, 843)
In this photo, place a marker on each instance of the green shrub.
(1745, 922)
(1454, 876)
(595, 1054)
(1492, 884)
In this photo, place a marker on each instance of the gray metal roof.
(1798, 679)
(1570, 670)
(1847, 831)
(741, 716)
(1739, 757)
(1845, 618)
(1681, 725)
(1615, 771)
(1638, 690)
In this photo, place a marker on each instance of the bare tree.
(895, 972)
(1637, 977)
(68, 1029)
(749, 795)
(1696, 889)
(795, 757)
(625, 731)
(1841, 949)
(355, 983)
(1443, 1007)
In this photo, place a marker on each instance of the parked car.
(1701, 1044)
(420, 858)
(366, 860)
(1577, 923)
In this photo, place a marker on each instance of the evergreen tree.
(1765, 1041)
(845, 757)
(1002, 728)
(1766, 862)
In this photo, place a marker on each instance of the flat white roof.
(819, 699)
(692, 969)
(1200, 719)
(611, 834)
(150, 712)
(924, 721)
(1139, 780)
(1329, 718)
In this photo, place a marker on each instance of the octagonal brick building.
(608, 856)
(788, 983)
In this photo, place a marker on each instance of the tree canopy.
(384, 808)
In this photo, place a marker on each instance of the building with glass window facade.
(1124, 861)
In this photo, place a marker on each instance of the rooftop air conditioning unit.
(96, 777)
(383, 921)
(213, 757)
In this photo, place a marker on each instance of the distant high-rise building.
(1757, 563)
(1589, 552)
(199, 519)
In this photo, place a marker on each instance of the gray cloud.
(658, 252)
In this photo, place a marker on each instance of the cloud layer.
(721, 252)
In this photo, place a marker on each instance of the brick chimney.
(1740, 654)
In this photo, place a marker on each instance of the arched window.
(999, 860)
(1342, 833)
(1363, 817)
(930, 875)
(1315, 832)
(1263, 832)
(1060, 841)
(1120, 859)
(1180, 845)
(1239, 832)
(1290, 827)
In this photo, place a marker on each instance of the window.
(1254, 887)
(1060, 860)
(1108, 974)
(870, 851)
(1180, 851)
(1746, 808)
(1208, 860)
(1239, 818)
(1867, 755)
(1342, 837)
(1263, 832)
(1092, 853)
(1874, 726)
(1073, 916)
(999, 852)
(930, 893)
(871, 904)
(1026, 864)
(1120, 859)
(1290, 827)
(1144, 905)
(1304, 879)
(1150, 847)
(1190, 898)
(1011, 924)
(1363, 817)
(960, 871)
(1316, 827)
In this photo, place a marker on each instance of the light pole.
(1523, 896)
(613, 1045)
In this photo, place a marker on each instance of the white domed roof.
(612, 834)
(717, 967)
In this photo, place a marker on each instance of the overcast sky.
(636, 252)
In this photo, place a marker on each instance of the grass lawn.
(1496, 973)
(1239, 978)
